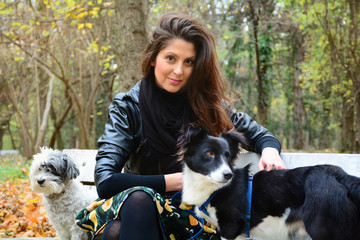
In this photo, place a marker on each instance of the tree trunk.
(261, 98)
(44, 121)
(354, 7)
(357, 116)
(347, 134)
(298, 105)
(58, 125)
(3, 126)
(130, 39)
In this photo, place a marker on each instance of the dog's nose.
(227, 175)
(40, 181)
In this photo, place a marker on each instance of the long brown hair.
(206, 87)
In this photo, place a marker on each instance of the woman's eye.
(170, 58)
(210, 154)
(190, 62)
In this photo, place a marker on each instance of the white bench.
(349, 162)
(85, 159)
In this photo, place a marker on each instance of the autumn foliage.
(21, 211)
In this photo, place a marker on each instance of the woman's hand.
(174, 182)
(270, 159)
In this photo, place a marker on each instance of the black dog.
(319, 202)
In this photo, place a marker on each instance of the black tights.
(138, 220)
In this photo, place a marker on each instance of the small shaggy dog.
(52, 173)
(319, 202)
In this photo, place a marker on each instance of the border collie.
(319, 202)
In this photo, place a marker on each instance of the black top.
(163, 114)
(124, 146)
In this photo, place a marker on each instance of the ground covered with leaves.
(21, 211)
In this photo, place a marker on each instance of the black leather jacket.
(123, 144)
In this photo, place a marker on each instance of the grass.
(13, 166)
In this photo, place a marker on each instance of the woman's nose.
(178, 69)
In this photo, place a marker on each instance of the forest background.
(294, 66)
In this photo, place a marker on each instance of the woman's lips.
(174, 81)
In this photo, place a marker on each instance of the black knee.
(138, 201)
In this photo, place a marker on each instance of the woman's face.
(174, 64)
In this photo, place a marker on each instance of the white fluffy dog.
(53, 173)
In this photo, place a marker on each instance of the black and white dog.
(319, 202)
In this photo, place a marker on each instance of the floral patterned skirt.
(176, 219)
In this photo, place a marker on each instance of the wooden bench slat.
(349, 162)
(85, 159)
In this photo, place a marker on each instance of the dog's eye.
(51, 169)
(210, 154)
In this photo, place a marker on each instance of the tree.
(263, 51)
(129, 38)
(292, 65)
(336, 25)
(348, 58)
(70, 88)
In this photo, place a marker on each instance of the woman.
(182, 84)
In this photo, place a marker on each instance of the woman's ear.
(152, 63)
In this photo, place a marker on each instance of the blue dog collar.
(248, 209)
(203, 206)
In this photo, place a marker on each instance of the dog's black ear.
(62, 165)
(235, 140)
(71, 169)
(191, 134)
